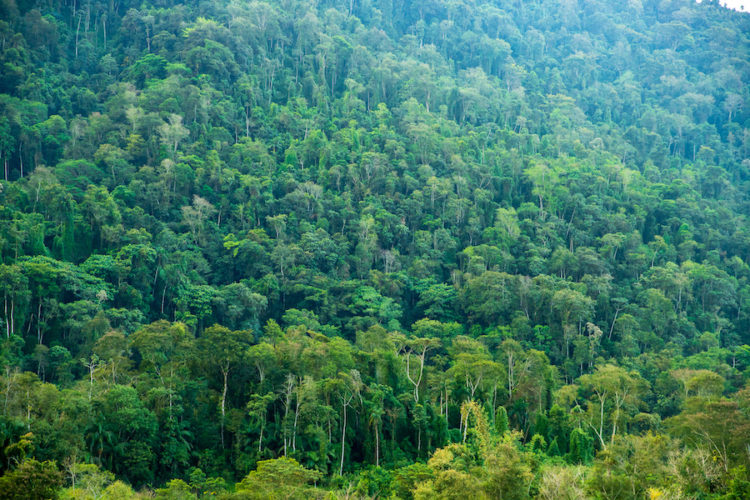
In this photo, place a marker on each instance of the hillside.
(421, 249)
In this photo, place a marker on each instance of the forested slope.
(422, 249)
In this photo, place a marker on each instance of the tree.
(717, 425)
(173, 132)
(375, 418)
(196, 215)
(632, 464)
(572, 308)
(220, 348)
(497, 470)
(32, 480)
(581, 448)
(438, 301)
(176, 489)
(89, 479)
(562, 482)
(278, 478)
(508, 473)
(417, 347)
(14, 286)
(475, 369)
(257, 408)
(613, 388)
(450, 479)
(488, 297)
(122, 434)
(347, 388)
(164, 349)
(112, 349)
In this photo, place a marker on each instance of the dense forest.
(374, 248)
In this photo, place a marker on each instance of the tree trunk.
(39, 323)
(287, 402)
(5, 315)
(466, 425)
(377, 446)
(92, 365)
(260, 440)
(78, 29)
(224, 372)
(8, 386)
(294, 427)
(601, 421)
(343, 442)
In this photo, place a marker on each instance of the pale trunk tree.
(345, 402)
(225, 374)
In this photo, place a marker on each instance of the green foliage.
(581, 447)
(501, 420)
(410, 249)
(32, 480)
(739, 485)
(278, 478)
(176, 489)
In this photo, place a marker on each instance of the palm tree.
(100, 440)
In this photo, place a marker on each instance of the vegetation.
(374, 248)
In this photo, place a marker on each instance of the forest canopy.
(374, 249)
